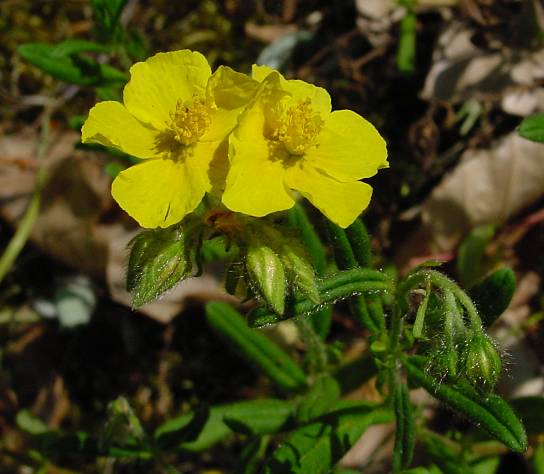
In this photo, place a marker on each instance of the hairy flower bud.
(483, 363)
(267, 275)
(301, 272)
(159, 259)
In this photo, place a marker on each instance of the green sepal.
(159, 259)
(266, 274)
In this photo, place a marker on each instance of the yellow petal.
(208, 164)
(349, 148)
(158, 83)
(158, 193)
(110, 124)
(223, 121)
(230, 89)
(299, 90)
(259, 72)
(255, 183)
(340, 202)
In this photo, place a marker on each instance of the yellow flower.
(287, 139)
(176, 117)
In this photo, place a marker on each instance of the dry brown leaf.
(488, 186)
(462, 71)
(72, 225)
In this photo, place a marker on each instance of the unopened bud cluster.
(459, 349)
(275, 264)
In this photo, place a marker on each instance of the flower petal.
(230, 89)
(158, 83)
(158, 193)
(110, 124)
(349, 148)
(259, 72)
(255, 183)
(299, 90)
(340, 202)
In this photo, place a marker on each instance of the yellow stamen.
(299, 128)
(190, 121)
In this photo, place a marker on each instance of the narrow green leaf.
(298, 219)
(61, 64)
(491, 413)
(359, 240)
(448, 459)
(75, 46)
(107, 14)
(471, 253)
(532, 128)
(255, 417)
(493, 294)
(538, 459)
(405, 428)
(331, 289)
(318, 446)
(406, 51)
(323, 394)
(260, 417)
(255, 347)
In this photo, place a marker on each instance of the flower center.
(299, 128)
(190, 120)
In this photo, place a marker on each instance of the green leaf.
(61, 62)
(406, 51)
(359, 240)
(448, 459)
(323, 394)
(493, 294)
(490, 413)
(255, 417)
(531, 411)
(538, 459)
(532, 128)
(318, 446)
(107, 14)
(30, 423)
(471, 253)
(260, 417)
(405, 428)
(256, 348)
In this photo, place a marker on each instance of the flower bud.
(483, 363)
(158, 260)
(266, 275)
(443, 363)
(301, 273)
